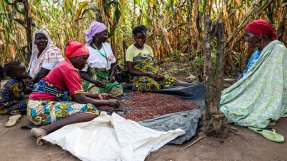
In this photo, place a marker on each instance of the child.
(12, 96)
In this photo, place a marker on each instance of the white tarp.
(110, 138)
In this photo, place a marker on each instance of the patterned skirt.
(46, 112)
(113, 88)
(145, 64)
(142, 83)
(14, 107)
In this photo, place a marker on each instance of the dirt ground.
(17, 144)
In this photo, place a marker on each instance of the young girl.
(12, 96)
(141, 66)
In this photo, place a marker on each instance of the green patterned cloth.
(113, 88)
(261, 94)
(145, 63)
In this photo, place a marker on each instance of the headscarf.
(74, 49)
(36, 63)
(95, 28)
(262, 27)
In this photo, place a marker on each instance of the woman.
(59, 100)
(261, 94)
(142, 68)
(99, 73)
(45, 55)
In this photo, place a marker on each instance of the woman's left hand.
(105, 96)
(112, 78)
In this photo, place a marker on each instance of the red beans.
(145, 106)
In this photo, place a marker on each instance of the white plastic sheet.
(110, 138)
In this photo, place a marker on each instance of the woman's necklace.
(104, 55)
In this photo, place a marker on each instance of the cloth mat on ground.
(110, 138)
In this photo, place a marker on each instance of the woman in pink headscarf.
(59, 100)
(99, 72)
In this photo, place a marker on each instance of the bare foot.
(39, 133)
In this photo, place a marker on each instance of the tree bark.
(207, 69)
(219, 64)
(28, 26)
(189, 28)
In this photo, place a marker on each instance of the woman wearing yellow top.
(142, 68)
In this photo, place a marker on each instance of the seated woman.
(13, 95)
(142, 68)
(59, 100)
(45, 55)
(261, 94)
(99, 73)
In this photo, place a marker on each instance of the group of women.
(72, 89)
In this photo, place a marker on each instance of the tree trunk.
(219, 64)
(28, 26)
(215, 123)
(189, 29)
(206, 45)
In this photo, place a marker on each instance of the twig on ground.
(233, 128)
(194, 142)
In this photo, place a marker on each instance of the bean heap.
(145, 106)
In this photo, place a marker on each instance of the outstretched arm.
(41, 74)
(135, 72)
(113, 70)
(88, 78)
(82, 98)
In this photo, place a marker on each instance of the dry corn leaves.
(145, 106)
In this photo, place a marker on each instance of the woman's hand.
(156, 77)
(112, 78)
(105, 96)
(29, 83)
(99, 84)
(114, 103)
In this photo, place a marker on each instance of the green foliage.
(167, 23)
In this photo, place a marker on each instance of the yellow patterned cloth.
(146, 64)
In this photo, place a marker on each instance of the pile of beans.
(145, 106)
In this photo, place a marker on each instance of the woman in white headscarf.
(45, 55)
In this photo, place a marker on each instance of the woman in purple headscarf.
(99, 72)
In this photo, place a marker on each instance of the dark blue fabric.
(44, 87)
